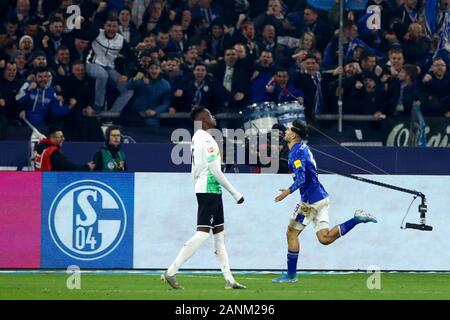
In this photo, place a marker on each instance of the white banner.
(166, 211)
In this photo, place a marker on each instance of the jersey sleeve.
(212, 154)
(298, 169)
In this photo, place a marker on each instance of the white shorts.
(317, 213)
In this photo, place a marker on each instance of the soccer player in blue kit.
(314, 204)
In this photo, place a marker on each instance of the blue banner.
(87, 220)
(356, 4)
(321, 4)
(328, 4)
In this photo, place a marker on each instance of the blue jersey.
(304, 168)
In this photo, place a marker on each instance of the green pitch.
(199, 286)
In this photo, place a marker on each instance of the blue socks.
(347, 226)
(292, 258)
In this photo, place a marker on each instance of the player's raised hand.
(284, 193)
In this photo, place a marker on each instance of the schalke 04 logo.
(87, 220)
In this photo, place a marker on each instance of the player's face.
(210, 120)
(289, 136)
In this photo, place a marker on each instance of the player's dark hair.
(196, 112)
(300, 128)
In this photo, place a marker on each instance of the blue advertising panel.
(87, 220)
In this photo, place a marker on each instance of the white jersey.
(205, 151)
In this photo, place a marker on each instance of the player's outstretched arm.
(284, 193)
(214, 167)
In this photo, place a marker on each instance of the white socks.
(193, 244)
(189, 248)
(222, 255)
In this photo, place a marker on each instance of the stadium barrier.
(146, 157)
(141, 220)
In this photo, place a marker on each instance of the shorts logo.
(297, 163)
(87, 220)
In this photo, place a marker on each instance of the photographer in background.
(110, 158)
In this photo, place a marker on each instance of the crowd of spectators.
(142, 58)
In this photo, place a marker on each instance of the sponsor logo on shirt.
(297, 163)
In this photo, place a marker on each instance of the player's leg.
(220, 250)
(296, 225)
(205, 207)
(321, 222)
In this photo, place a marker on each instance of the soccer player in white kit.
(208, 182)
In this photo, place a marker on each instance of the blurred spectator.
(202, 90)
(207, 12)
(19, 58)
(308, 41)
(352, 74)
(264, 70)
(280, 89)
(313, 24)
(416, 45)
(138, 7)
(234, 79)
(81, 124)
(61, 63)
(175, 76)
(23, 13)
(39, 102)
(313, 86)
(246, 60)
(218, 40)
(49, 156)
(436, 84)
(163, 39)
(176, 43)
(101, 65)
(367, 95)
(33, 29)
(26, 45)
(298, 56)
(369, 65)
(406, 14)
(12, 28)
(405, 91)
(127, 28)
(190, 58)
(186, 22)
(274, 16)
(154, 18)
(152, 96)
(268, 42)
(80, 46)
(54, 38)
(110, 158)
(9, 87)
(37, 60)
(396, 61)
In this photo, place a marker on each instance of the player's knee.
(291, 235)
